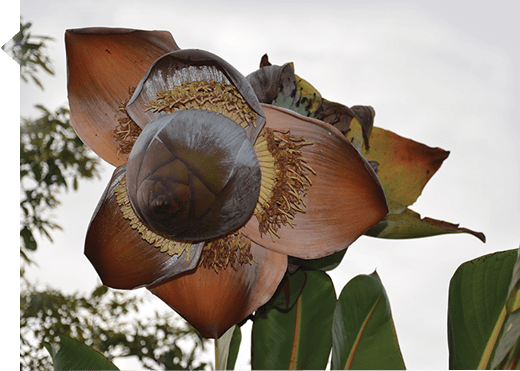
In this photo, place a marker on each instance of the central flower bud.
(193, 175)
(167, 198)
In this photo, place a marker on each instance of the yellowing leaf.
(280, 86)
(355, 134)
(405, 166)
(308, 94)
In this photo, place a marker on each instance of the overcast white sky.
(444, 73)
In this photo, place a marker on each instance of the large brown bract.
(193, 175)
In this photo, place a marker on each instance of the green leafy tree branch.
(109, 322)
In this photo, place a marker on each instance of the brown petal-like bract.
(103, 65)
(122, 259)
(193, 175)
(345, 199)
(190, 65)
(213, 302)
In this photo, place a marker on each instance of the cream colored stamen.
(211, 96)
(285, 180)
(126, 131)
(231, 250)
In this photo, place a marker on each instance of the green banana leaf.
(477, 309)
(300, 338)
(363, 332)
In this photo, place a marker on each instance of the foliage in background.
(29, 52)
(53, 159)
(108, 321)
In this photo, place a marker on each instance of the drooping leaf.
(409, 224)
(477, 309)
(363, 332)
(301, 337)
(404, 167)
(74, 355)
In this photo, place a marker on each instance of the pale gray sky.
(444, 73)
